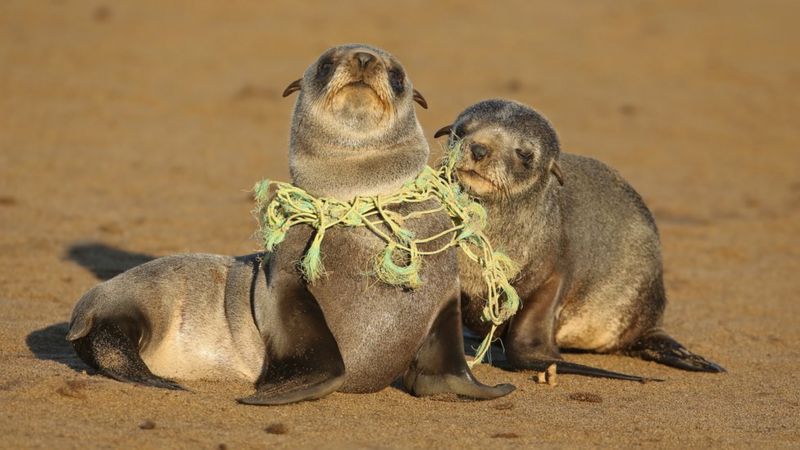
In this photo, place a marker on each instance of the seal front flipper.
(440, 368)
(659, 347)
(303, 361)
(530, 341)
(294, 387)
(110, 347)
(529, 346)
(570, 368)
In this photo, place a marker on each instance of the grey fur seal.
(592, 276)
(183, 316)
(354, 132)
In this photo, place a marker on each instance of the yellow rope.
(401, 260)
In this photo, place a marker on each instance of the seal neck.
(326, 168)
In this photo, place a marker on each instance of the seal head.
(508, 149)
(354, 129)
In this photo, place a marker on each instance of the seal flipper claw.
(440, 367)
(661, 348)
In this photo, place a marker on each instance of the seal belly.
(189, 353)
(210, 333)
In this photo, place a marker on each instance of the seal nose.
(363, 59)
(479, 151)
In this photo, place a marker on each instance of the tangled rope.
(400, 262)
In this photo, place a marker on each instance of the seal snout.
(475, 172)
(363, 59)
(363, 64)
(479, 151)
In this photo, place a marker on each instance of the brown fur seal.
(592, 276)
(217, 317)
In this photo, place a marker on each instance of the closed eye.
(397, 80)
(524, 155)
(324, 69)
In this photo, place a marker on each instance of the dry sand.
(133, 129)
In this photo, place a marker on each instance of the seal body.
(354, 133)
(189, 317)
(202, 316)
(378, 327)
(591, 272)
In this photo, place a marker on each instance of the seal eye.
(524, 155)
(397, 79)
(324, 69)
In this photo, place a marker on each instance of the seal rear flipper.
(111, 349)
(659, 347)
(440, 367)
(303, 361)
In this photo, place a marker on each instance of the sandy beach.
(132, 130)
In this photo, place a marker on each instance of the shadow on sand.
(50, 343)
(103, 260)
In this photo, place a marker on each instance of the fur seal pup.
(355, 133)
(592, 276)
(219, 317)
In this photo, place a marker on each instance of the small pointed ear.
(420, 99)
(555, 169)
(444, 131)
(295, 86)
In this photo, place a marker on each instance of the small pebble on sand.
(276, 428)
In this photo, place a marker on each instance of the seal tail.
(110, 348)
(660, 347)
(570, 368)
